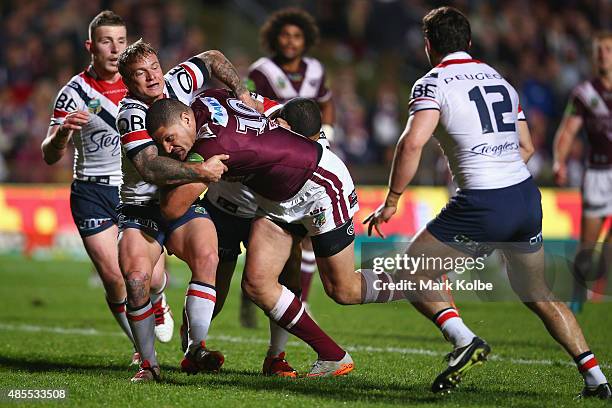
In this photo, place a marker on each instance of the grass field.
(56, 332)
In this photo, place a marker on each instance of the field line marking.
(245, 340)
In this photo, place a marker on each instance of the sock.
(309, 265)
(377, 288)
(453, 328)
(289, 313)
(199, 305)
(589, 368)
(118, 311)
(142, 323)
(157, 296)
(278, 339)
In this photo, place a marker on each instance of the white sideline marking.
(245, 340)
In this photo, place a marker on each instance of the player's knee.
(342, 294)
(253, 287)
(204, 259)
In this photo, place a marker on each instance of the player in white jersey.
(85, 112)
(590, 106)
(497, 201)
(144, 228)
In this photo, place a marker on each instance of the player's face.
(105, 46)
(603, 55)
(291, 42)
(178, 138)
(146, 81)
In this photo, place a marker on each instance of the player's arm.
(222, 69)
(525, 143)
(175, 201)
(564, 138)
(328, 116)
(55, 143)
(166, 171)
(418, 131)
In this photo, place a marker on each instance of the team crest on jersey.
(200, 210)
(94, 106)
(281, 83)
(594, 102)
(318, 219)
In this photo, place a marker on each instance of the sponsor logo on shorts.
(140, 222)
(351, 229)
(536, 240)
(318, 217)
(89, 224)
(200, 210)
(471, 245)
(353, 198)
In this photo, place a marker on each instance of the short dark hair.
(132, 53)
(294, 16)
(303, 115)
(164, 112)
(448, 30)
(105, 18)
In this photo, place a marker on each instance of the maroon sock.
(289, 313)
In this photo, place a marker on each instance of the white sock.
(453, 328)
(118, 311)
(142, 323)
(278, 339)
(377, 288)
(589, 368)
(156, 296)
(199, 305)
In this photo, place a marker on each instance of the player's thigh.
(102, 249)
(338, 270)
(426, 245)
(290, 276)
(526, 273)
(138, 252)
(197, 237)
(268, 251)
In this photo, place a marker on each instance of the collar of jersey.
(459, 57)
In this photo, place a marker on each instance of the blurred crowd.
(372, 49)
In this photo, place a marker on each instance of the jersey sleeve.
(270, 106)
(575, 106)
(521, 113)
(425, 94)
(68, 100)
(185, 81)
(132, 129)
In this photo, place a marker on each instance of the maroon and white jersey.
(271, 160)
(183, 82)
(96, 146)
(267, 78)
(591, 101)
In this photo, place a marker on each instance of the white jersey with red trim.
(96, 146)
(183, 82)
(479, 110)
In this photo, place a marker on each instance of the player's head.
(289, 33)
(446, 30)
(303, 115)
(141, 71)
(602, 52)
(172, 125)
(107, 39)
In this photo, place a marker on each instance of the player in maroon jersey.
(288, 35)
(590, 106)
(301, 188)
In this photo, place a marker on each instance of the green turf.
(40, 297)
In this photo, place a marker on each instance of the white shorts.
(326, 201)
(597, 193)
(233, 198)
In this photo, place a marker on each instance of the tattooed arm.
(222, 69)
(165, 171)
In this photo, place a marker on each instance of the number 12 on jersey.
(499, 108)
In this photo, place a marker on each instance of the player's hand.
(382, 214)
(75, 121)
(282, 123)
(213, 168)
(560, 173)
(248, 100)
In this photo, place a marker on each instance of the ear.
(88, 45)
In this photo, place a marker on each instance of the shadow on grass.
(352, 388)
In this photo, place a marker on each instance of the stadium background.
(55, 330)
(373, 51)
